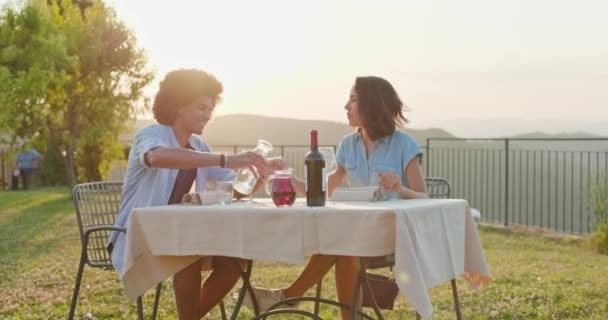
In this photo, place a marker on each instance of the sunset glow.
(457, 65)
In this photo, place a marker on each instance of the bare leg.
(347, 269)
(224, 276)
(317, 267)
(187, 288)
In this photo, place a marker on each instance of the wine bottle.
(314, 162)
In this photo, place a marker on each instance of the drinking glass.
(330, 166)
(224, 192)
(330, 159)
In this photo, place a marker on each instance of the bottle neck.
(314, 142)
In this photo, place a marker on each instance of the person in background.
(376, 154)
(165, 160)
(28, 162)
(15, 179)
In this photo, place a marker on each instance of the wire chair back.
(438, 188)
(96, 204)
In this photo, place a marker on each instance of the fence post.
(506, 182)
(428, 155)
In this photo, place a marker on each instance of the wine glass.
(330, 166)
(330, 159)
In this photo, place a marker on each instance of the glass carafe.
(281, 189)
(245, 179)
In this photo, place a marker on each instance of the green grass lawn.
(535, 277)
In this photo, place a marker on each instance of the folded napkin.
(204, 197)
(358, 194)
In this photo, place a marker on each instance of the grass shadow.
(32, 230)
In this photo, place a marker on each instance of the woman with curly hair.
(165, 160)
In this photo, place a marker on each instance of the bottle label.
(325, 178)
(305, 178)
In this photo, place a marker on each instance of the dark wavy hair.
(380, 108)
(180, 88)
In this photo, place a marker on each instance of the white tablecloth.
(434, 240)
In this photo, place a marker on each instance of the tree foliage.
(71, 77)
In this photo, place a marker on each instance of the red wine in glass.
(283, 193)
(283, 199)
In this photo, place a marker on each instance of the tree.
(70, 81)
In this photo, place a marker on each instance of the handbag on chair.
(384, 290)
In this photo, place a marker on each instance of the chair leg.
(156, 300)
(223, 310)
(355, 303)
(318, 296)
(245, 275)
(140, 309)
(77, 285)
(456, 302)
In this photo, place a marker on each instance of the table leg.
(223, 311)
(456, 302)
(318, 296)
(355, 303)
(245, 275)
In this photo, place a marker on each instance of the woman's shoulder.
(405, 142)
(349, 137)
(403, 137)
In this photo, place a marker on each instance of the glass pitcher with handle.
(245, 179)
(280, 188)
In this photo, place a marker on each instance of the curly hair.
(380, 107)
(180, 88)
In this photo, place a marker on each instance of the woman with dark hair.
(165, 160)
(375, 154)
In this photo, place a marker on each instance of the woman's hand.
(415, 179)
(249, 159)
(272, 164)
(390, 181)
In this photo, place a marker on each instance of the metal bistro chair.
(96, 205)
(437, 188)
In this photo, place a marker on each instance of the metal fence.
(541, 183)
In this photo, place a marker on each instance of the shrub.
(598, 202)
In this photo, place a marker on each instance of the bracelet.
(223, 160)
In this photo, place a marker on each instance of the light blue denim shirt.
(147, 187)
(391, 153)
(27, 159)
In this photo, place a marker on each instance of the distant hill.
(566, 135)
(245, 129)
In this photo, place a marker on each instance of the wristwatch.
(223, 160)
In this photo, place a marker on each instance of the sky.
(476, 68)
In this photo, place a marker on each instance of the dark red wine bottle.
(315, 189)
